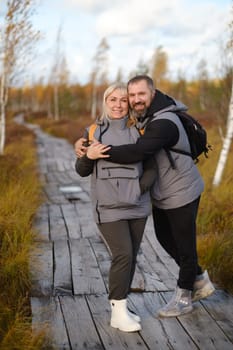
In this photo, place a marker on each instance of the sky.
(188, 31)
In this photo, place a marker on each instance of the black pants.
(123, 238)
(176, 232)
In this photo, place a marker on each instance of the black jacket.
(159, 134)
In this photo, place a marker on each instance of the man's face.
(140, 97)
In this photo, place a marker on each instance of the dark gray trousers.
(176, 231)
(123, 238)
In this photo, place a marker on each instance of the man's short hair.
(138, 78)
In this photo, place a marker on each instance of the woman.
(120, 210)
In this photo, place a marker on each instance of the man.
(176, 188)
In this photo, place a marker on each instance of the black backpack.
(197, 137)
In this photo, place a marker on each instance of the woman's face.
(117, 104)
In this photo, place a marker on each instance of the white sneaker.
(202, 287)
(179, 304)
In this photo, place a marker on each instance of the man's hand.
(96, 150)
(80, 148)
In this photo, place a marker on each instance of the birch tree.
(99, 74)
(203, 83)
(226, 145)
(55, 74)
(229, 129)
(17, 37)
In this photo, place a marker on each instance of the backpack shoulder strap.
(92, 129)
(141, 131)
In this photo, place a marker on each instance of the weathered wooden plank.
(62, 268)
(62, 178)
(138, 283)
(72, 220)
(86, 275)
(152, 281)
(203, 329)
(54, 195)
(41, 262)
(112, 338)
(41, 223)
(159, 333)
(75, 178)
(57, 224)
(43, 166)
(84, 182)
(79, 322)
(220, 307)
(103, 257)
(51, 164)
(60, 164)
(51, 179)
(47, 316)
(69, 163)
(165, 280)
(87, 224)
(164, 257)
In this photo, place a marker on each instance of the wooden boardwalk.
(70, 275)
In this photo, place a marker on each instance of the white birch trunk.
(56, 102)
(17, 36)
(226, 145)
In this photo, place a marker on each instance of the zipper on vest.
(97, 211)
(117, 167)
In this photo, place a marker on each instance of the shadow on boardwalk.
(70, 281)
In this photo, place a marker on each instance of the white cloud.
(78, 64)
(187, 30)
(133, 17)
(170, 17)
(88, 5)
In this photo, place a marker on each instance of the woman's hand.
(96, 150)
(80, 148)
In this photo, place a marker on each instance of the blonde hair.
(116, 86)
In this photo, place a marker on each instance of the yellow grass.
(215, 220)
(20, 196)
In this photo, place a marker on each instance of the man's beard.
(138, 114)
